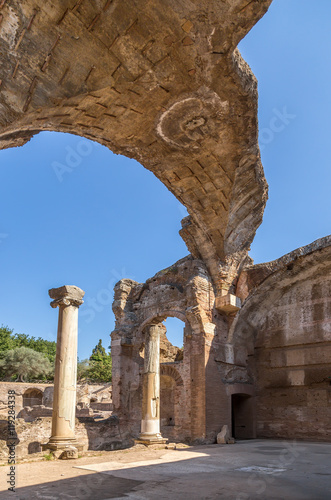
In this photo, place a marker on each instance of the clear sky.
(109, 218)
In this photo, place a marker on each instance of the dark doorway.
(167, 401)
(243, 419)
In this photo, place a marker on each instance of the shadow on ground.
(249, 470)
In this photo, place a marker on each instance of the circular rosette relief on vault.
(188, 122)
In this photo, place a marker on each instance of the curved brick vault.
(158, 81)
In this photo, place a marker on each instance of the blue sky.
(110, 218)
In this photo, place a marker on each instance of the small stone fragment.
(69, 453)
(171, 446)
(224, 437)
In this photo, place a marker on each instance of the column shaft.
(68, 299)
(64, 399)
(150, 423)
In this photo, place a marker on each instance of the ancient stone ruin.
(96, 428)
(164, 83)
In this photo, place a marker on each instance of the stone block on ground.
(66, 454)
(224, 437)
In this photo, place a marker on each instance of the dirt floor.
(256, 469)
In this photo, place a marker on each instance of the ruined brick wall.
(85, 393)
(289, 317)
(33, 425)
(175, 401)
(184, 291)
(103, 435)
(195, 391)
(20, 388)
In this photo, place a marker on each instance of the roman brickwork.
(263, 370)
(288, 316)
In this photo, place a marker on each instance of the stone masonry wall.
(209, 371)
(290, 315)
(103, 435)
(183, 291)
(85, 393)
(33, 425)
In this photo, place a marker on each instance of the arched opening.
(164, 405)
(175, 331)
(171, 401)
(167, 399)
(32, 397)
(171, 383)
(243, 417)
(172, 340)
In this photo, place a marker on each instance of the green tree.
(83, 369)
(100, 366)
(22, 339)
(98, 352)
(7, 340)
(24, 362)
(46, 347)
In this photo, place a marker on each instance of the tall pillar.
(150, 423)
(67, 299)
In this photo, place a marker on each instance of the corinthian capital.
(66, 295)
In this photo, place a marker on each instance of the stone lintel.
(66, 295)
(228, 304)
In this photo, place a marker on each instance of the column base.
(149, 439)
(63, 448)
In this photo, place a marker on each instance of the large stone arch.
(163, 84)
(172, 372)
(185, 291)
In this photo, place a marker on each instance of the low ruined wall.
(33, 424)
(20, 388)
(102, 435)
(85, 393)
(289, 314)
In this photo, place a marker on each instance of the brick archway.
(170, 371)
(32, 397)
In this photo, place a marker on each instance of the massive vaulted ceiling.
(160, 81)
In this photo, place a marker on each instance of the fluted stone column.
(67, 299)
(150, 423)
